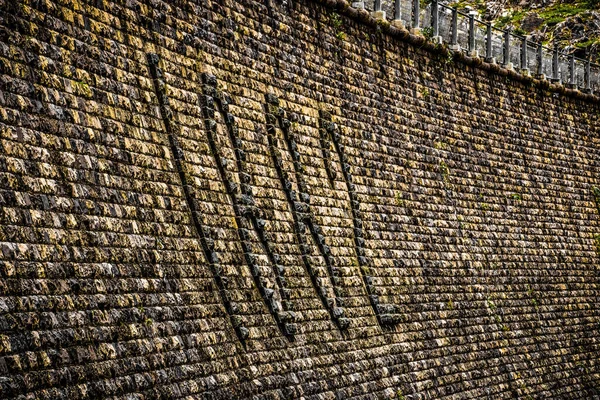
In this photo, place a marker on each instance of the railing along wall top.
(463, 31)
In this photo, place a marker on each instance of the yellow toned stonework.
(286, 200)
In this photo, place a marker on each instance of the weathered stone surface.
(232, 200)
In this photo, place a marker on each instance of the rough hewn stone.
(321, 216)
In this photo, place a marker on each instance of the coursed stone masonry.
(275, 200)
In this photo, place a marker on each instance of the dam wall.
(278, 200)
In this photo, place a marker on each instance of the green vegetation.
(586, 44)
(439, 145)
(596, 193)
(82, 88)
(399, 199)
(427, 32)
(552, 14)
(515, 16)
(558, 12)
(597, 242)
(444, 170)
(336, 22)
(424, 3)
(478, 5)
(449, 58)
(533, 296)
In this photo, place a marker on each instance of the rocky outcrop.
(574, 27)
(579, 35)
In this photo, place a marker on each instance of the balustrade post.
(588, 76)
(540, 62)
(524, 69)
(571, 83)
(489, 57)
(415, 18)
(506, 50)
(359, 5)
(471, 48)
(378, 13)
(454, 37)
(397, 22)
(555, 75)
(435, 22)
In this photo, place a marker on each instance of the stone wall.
(257, 199)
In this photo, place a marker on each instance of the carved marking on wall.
(387, 314)
(596, 195)
(208, 244)
(249, 218)
(303, 217)
(326, 152)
